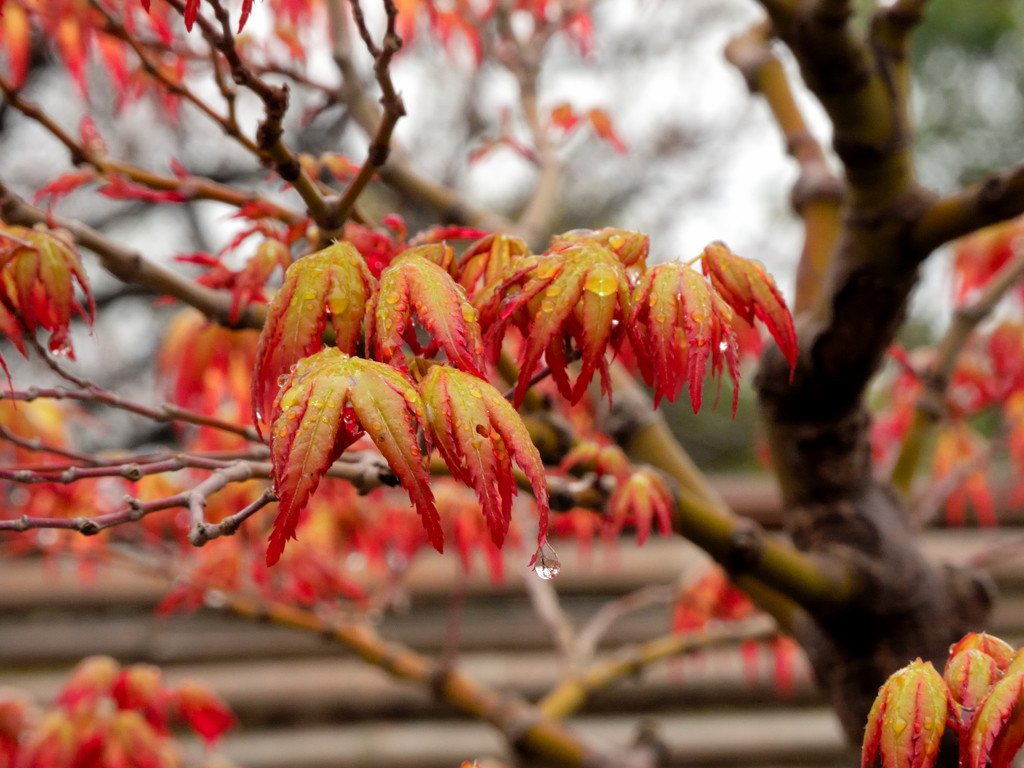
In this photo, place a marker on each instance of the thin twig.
(37, 445)
(569, 695)
(164, 414)
(135, 509)
(390, 100)
(201, 531)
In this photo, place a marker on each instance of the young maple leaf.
(38, 272)
(580, 291)
(414, 285)
(906, 722)
(478, 433)
(632, 248)
(678, 324)
(969, 675)
(328, 402)
(751, 292)
(997, 732)
(333, 283)
(202, 710)
(247, 284)
(488, 269)
(641, 499)
(486, 263)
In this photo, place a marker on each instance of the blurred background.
(701, 161)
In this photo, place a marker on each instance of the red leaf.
(327, 402)
(191, 11)
(997, 731)
(376, 247)
(478, 433)
(64, 185)
(414, 286)
(202, 711)
(678, 324)
(38, 272)
(580, 291)
(641, 499)
(969, 675)
(442, 234)
(73, 40)
(1002, 653)
(91, 680)
(751, 292)
(246, 10)
(334, 284)
(981, 255)
(140, 688)
(119, 188)
(564, 118)
(486, 263)
(632, 248)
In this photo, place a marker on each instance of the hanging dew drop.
(546, 563)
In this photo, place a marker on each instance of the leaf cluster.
(409, 352)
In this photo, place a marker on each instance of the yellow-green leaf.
(478, 433)
(907, 720)
(332, 284)
(328, 402)
(414, 286)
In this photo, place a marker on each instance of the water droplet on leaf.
(601, 280)
(546, 563)
(547, 269)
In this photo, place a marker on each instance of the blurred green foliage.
(969, 89)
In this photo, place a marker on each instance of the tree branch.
(524, 726)
(818, 193)
(186, 188)
(269, 135)
(740, 546)
(391, 102)
(996, 198)
(135, 509)
(398, 172)
(572, 693)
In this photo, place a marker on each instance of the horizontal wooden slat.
(304, 702)
(749, 738)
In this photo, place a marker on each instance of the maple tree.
(465, 378)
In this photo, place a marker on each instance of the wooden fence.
(305, 702)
